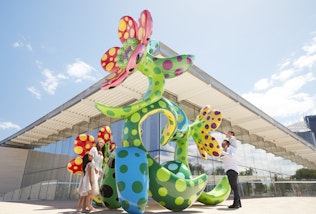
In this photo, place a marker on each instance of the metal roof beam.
(26, 138)
(59, 124)
(193, 93)
(34, 134)
(129, 92)
(262, 129)
(68, 133)
(75, 115)
(45, 141)
(46, 130)
(228, 106)
(55, 137)
(247, 119)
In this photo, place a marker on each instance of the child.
(88, 186)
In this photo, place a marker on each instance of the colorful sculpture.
(82, 144)
(136, 172)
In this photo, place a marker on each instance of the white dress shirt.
(229, 159)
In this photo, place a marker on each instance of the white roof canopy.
(195, 87)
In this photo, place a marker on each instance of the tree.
(218, 171)
(249, 171)
(304, 173)
(196, 169)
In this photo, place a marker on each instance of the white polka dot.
(173, 166)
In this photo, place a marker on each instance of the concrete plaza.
(271, 205)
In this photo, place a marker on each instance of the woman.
(98, 157)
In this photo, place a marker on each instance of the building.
(311, 124)
(37, 155)
(306, 129)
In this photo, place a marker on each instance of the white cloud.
(9, 125)
(278, 102)
(80, 71)
(296, 83)
(283, 75)
(34, 91)
(309, 58)
(262, 84)
(305, 61)
(39, 64)
(20, 44)
(288, 94)
(311, 48)
(29, 47)
(51, 82)
(285, 64)
(17, 44)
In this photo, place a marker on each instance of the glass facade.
(261, 173)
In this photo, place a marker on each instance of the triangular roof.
(195, 87)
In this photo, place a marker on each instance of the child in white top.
(88, 186)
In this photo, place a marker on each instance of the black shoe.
(234, 206)
(239, 203)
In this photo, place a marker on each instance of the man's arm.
(233, 141)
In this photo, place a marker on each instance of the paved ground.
(273, 205)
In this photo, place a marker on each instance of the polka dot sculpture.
(132, 179)
(173, 189)
(217, 195)
(178, 168)
(82, 144)
(108, 190)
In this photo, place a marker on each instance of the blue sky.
(264, 50)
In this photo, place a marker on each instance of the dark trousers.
(232, 177)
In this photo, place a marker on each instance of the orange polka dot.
(78, 161)
(140, 33)
(112, 75)
(83, 137)
(104, 57)
(112, 51)
(109, 66)
(78, 150)
(143, 19)
(122, 25)
(91, 138)
(132, 33)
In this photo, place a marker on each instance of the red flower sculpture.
(123, 61)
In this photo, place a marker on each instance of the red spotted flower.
(135, 37)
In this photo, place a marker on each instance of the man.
(232, 139)
(230, 165)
